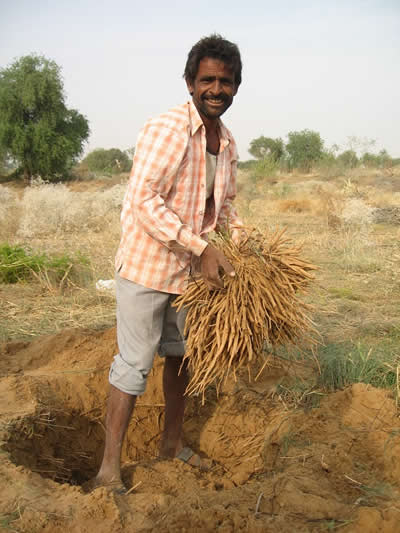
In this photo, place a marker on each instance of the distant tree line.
(305, 149)
(41, 136)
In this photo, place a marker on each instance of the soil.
(324, 466)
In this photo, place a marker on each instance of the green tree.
(266, 146)
(348, 159)
(110, 161)
(380, 160)
(304, 148)
(37, 130)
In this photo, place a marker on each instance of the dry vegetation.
(227, 329)
(296, 450)
(348, 227)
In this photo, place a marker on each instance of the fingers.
(213, 265)
(227, 267)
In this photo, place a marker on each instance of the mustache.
(221, 96)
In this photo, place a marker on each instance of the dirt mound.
(276, 469)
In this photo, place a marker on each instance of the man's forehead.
(215, 65)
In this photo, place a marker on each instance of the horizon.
(330, 70)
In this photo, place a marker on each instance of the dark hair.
(215, 47)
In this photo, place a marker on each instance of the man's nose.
(216, 87)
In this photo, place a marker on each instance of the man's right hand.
(213, 263)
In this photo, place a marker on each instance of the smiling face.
(213, 88)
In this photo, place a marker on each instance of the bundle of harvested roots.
(227, 329)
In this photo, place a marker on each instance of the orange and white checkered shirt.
(165, 215)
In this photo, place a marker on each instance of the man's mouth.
(215, 101)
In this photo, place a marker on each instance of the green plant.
(380, 160)
(7, 519)
(266, 147)
(111, 161)
(304, 148)
(347, 363)
(343, 292)
(264, 168)
(37, 130)
(348, 159)
(18, 264)
(249, 164)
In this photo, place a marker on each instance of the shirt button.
(201, 212)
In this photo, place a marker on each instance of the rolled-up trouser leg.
(146, 323)
(140, 318)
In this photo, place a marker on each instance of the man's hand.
(213, 263)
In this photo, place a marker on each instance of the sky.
(331, 66)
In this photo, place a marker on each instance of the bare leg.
(119, 411)
(174, 388)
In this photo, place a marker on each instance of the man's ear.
(190, 87)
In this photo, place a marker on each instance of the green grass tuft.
(347, 363)
(19, 264)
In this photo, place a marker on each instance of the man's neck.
(211, 124)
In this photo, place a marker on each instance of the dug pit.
(276, 468)
(65, 447)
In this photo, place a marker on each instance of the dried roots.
(227, 329)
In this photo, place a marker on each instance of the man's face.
(213, 88)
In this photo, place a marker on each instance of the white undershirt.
(211, 165)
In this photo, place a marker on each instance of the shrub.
(348, 159)
(18, 264)
(247, 165)
(304, 148)
(110, 161)
(53, 208)
(264, 168)
(344, 364)
(266, 147)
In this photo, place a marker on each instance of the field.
(305, 448)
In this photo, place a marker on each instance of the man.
(181, 188)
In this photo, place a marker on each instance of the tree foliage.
(304, 148)
(380, 160)
(348, 159)
(37, 130)
(110, 161)
(266, 146)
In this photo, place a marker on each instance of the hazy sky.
(330, 66)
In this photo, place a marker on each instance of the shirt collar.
(196, 123)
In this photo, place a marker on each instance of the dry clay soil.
(332, 466)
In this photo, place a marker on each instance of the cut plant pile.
(276, 469)
(227, 329)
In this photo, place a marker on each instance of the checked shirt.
(165, 216)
